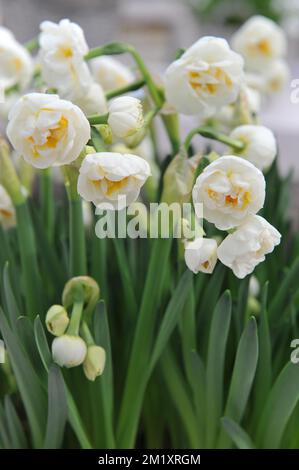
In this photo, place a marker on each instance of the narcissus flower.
(94, 362)
(205, 78)
(7, 210)
(46, 130)
(230, 189)
(260, 144)
(93, 101)
(201, 255)
(111, 73)
(57, 320)
(61, 55)
(245, 248)
(125, 116)
(276, 77)
(16, 65)
(69, 351)
(260, 41)
(112, 180)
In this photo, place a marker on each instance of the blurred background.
(159, 27)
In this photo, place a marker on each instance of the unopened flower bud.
(125, 116)
(69, 351)
(94, 362)
(81, 285)
(57, 320)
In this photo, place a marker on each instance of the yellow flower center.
(6, 213)
(55, 135)
(66, 52)
(208, 81)
(261, 47)
(111, 186)
(205, 264)
(17, 63)
(232, 200)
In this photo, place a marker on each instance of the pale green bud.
(69, 351)
(57, 320)
(94, 362)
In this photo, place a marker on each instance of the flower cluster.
(68, 348)
(81, 119)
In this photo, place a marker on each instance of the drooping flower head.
(46, 130)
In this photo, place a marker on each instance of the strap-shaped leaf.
(57, 409)
(237, 434)
(16, 431)
(215, 366)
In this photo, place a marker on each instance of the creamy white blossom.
(94, 362)
(69, 351)
(46, 130)
(125, 116)
(276, 77)
(7, 210)
(259, 144)
(260, 41)
(112, 179)
(110, 73)
(16, 64)
(93, 101)
(201, 255)
(205, 78)
(245, 248)
(61, 55)
(230, 189)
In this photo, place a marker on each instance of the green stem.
(47, 202)
(74, 326)
(137, 375)
(170, 121)
(98, 119)
(30, 271)
(86, 334)
(31, 45)
(125, 89)
(77, 239)
(209, 133)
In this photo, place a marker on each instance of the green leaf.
(16, 431)
(126, 277)
(32, 393)
(237, 434)
(171, 317)
(75, 421)
(102, 337)
(57, 409)
(215, 366)
(10, 301)
(264, 367)
(242, 376)
(283, 291)
(42, 343)
(279, 406)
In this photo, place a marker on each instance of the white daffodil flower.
(112, 179)
(205, 78)
(93, 101)
(7, 210)
(201, 255)
(125, 116)
(260, 41)
(16, 64)
(111, 73)
(94, 363)
(276, 77)
(230, 189)
(245, 248)
(69, 351)
(57, 320)
(260, 144)
(61, 56)
(46, 130)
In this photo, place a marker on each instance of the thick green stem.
(30, 272)
(75, 321)
(125, 89)
(77, 239)
(209, 133)
(86, 334)
(98, 119)
(47, 202)
(170, 121)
